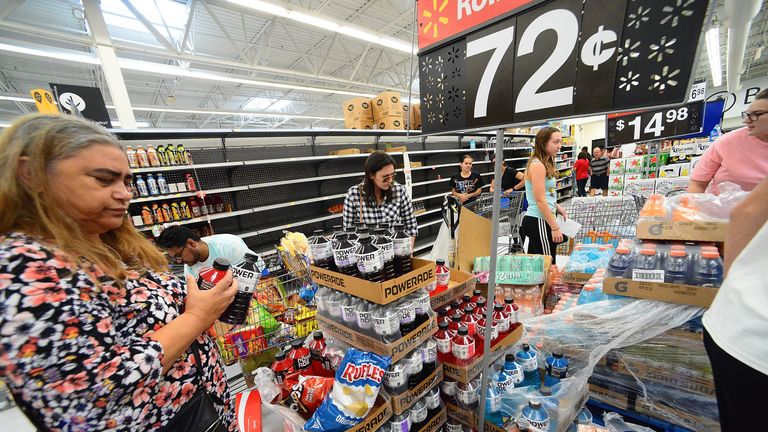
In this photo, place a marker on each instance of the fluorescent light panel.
(713, 53)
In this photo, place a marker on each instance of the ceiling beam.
(9, 7)
(299, 50)
(218, 23)
(188, 28)
(375, 65)
(149, 26)
(360, 61)
(327, 54)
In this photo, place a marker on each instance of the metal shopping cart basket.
(510, 215)
(603, 220)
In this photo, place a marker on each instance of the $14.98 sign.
(651, 125)
(561, 58)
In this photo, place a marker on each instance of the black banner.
(657, 124)
(82, 102)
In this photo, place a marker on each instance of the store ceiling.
(238, 43)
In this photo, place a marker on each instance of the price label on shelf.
(558, 58)
(657, 124)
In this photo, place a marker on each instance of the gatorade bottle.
(529, 362)
(676, 267)
(141, 185)
(368, 259)
(210, 276)
(130, 153)
(442, 276)
(536, 415)
(510, 308)
(442, 340)
(162, 185)
(463, 347)
(385, 245)
(396, 378)
(402, 245)
(620, 264)
(300, 355)
(344, 256)
(709, 271)
(648, 260)
(322, 253)
(556, 369)
(152, 185)
(282, 366)
(513, 369)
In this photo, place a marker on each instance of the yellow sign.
(44, 101)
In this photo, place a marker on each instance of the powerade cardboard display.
(386, 292)
(436, 422)
(461, 283)
(466, 373)
(402, 402)
(468, 418)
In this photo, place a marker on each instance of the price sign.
(560, 58)
(658, 124)
(698, 90)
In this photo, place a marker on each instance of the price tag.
(698, 90)
(657, 124)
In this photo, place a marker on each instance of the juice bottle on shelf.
(190, 182)
(162, 185)
(210, 276)
(141, 157)
(175, 211)
(676, 267)
(170, 154)
(442, 276)
(152, 185)
(154, 161)
(463, 347)
(181, 155)
(385, 245)
(442, 338)
(141, 186)
(157, 214)
(146, 215)
(161, 155)
(402, 246)
(186, 212)
(620, 263)
(166, 209)
(194, 207)
(300, 355)
(130, 153)
(709, 269)
(469, 320)
(247, 275)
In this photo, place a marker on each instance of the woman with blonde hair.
(95, 333)
(540, 221)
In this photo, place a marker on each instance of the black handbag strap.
(198, 363)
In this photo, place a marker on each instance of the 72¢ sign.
(561, 58)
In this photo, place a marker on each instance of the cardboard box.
(397, 349)
(461, 283)
(617, 167)
(642, 187)
(644, 370)
(436, 422)
(669, 171)
(415, 117)
(421, 275)
(387, 104)
(688, 231)
(377, 417)
(666, 185)
(390, 123)
(416, 164)
(685, 169)
(610, 397)
(468, 418)
(466, 373)
(672, 293)
(348, 151)
(702, 146)
(577, 278)
(358, 113)
(616, 183)
(406, 400)
(635, 165)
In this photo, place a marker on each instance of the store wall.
(587, 132)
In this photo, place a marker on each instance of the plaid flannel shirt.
(397, 210)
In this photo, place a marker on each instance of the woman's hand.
(557, 235)
(208, 305)
(562, 212)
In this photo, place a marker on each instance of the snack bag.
(357, 384)
(309, 393)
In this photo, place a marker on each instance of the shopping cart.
(510, 216)
(603, 220)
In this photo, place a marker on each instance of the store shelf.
(187, 194)
(163, 169)
(570, 186)
(565, 168)
(299, 202)
(428, 224)
(424, 244)
(428, 212)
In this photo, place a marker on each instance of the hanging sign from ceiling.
(656, 124)
(557, 59)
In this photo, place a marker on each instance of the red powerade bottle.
(282, 366)
(320, 364)
(300, 355)
(210, 276)
(442, 277)
(443, 339)
(463, 347)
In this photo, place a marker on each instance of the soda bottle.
(181, 155)
(432, 399)
(402, 245)
(141, 185)
(130, 153)
(513, 369)
(406, 312)
(363, 318)
(556, 369)
(210, 276)
(620, 264)
(419, 414)
(344, 256)
(455, 322)
(414, 366)
(152, 157)
(300, 356)
(348, 306)
(400, 422)
(480, 309)
(351, 234)
(152, 185)
(709, 271)
(396, 378)
(282, 366)
(321, 251)
(676, 267)
(428, 357)
(386, 323)
(247, 275)
(442, 276)
(466, 395)
(526, 357)
(368, 258)
(493, 406)
(141, 157)
(477, 295)
(501, 318)
(442, 340)
(469, 320)
(536, 415)
(463, 347)
(384, 243)
(423, 306)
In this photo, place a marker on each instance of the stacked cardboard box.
(413, 115)
(358, 113)
(388, 111)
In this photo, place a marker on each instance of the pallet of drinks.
(687, 217)
(450, 284)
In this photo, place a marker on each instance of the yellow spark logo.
(435, 11)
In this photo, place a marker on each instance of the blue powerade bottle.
(556, 369)
(536, 415)
(528, 360)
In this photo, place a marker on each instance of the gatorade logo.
(655, 229)
(351, 107)
(621, 287)
(365, 105)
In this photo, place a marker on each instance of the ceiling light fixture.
(327, 23)
(713, 53)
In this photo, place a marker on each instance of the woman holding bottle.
(540, 221)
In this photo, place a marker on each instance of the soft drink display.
(442, 276)
(402, 246)
(247, 275)
(386, 323)
(369, 259)
(344, 256)
(466, 394)
(463, 347)
(396, 378)
(385, 245)
(536, 415)
(556, 369)
(527, 358)
(210, 276)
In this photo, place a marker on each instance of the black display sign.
(562, 58)
(83, 102)
(658, 124)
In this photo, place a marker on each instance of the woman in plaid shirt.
(378, 198)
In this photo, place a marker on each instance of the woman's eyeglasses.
(388, 178)
(752, 116)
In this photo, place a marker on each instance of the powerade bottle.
(422, 304)
(368, 259)
(384, 243)
(322, 253)
(556, 369)
(442, 276)
(709, 270)
(493, 406)
(419, 415)
(402, 245)
(396, 378)
(141, 185)
(351, 234)
(620, 264)
(514, 371)
(344, 256)
(414, 365)
(247, 275)
(152, 184)
(337, 229)
(210, 276)
(536, 415)
(676, 267)
(528, 360)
